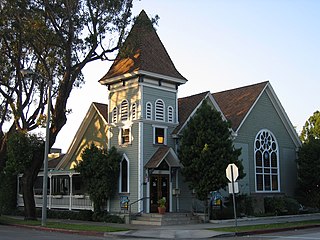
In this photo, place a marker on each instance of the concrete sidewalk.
(198, 231)
(194, 231)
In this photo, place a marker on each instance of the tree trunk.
(28, 197)
(28, 179)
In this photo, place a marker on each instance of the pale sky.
(223, 44)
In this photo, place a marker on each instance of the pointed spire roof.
(142, 53)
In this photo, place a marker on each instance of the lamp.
(26, 72)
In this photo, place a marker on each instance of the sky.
(224, 44)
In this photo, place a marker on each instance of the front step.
(165, 219)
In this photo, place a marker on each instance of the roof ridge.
(194, 95)
(238, 88)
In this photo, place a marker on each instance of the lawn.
(250, 228)
(58, 225)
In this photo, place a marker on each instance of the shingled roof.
(142, 51)
(186, 106)
(102, 110)
(236, 103)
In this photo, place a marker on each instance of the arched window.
(134, 111)
(159, 107)
(124, 110)
(149, 110)
(170, 114)
(114, 115)
(266, 157)
(124, 175)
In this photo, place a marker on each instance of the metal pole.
(233, 197)
(45, 160)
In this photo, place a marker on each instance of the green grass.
(250, 228)
(58, 225)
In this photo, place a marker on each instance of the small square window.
(125, 135)
(159, 136)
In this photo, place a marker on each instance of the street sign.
(232, 171)
(235, 186)
(232, 174)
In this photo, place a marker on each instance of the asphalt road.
(17, 233)
(301, 234)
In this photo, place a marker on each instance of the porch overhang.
(163, 153)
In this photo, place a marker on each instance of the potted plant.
(162, 205)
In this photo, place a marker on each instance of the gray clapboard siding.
(264, 116)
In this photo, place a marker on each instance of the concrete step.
(166, 219)
(149, 223)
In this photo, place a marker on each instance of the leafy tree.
(22, 149)
(309, 162)
(311, 128)
(55, 39)
(206, 149)
(99, 170)
(308, 173)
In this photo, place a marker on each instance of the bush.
(281, 205)
(8, 193)
(106, 217)
(244, 205)
(292, 205)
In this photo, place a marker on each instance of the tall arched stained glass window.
(266, 157)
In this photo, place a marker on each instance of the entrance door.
(159, 187)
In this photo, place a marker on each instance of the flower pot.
(161, 210)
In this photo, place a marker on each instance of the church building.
(144, 119)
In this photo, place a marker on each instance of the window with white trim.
(124, 110)
(159, 110)
(266, 157)
(149, 110)
(124, 175)
(114, 115)
(124, 135)
(134, 111)
(170, 114)
(159, 135)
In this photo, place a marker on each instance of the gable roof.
(142, 51)
(102, 110)
(236, 103)
(186, 106)
(162, 153)
(95, 107)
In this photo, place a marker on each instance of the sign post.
(232, 174)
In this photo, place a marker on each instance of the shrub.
(292, 205)
(275, 205)
(8, 193)
(281, 205)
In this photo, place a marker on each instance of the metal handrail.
(135, 202)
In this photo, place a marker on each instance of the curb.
(254, 232)
(79, 232)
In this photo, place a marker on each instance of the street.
(310, 234)
(17, 233)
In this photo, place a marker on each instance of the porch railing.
(136, 203)
(71, 202)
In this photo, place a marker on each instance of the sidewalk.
(194, 231)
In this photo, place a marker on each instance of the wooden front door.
(159, 187)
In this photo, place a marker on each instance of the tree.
(308, 173)
(22, 149)
(206, 149)
(99, 170)
(309, 162)
(55, 39)
(311, 128)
